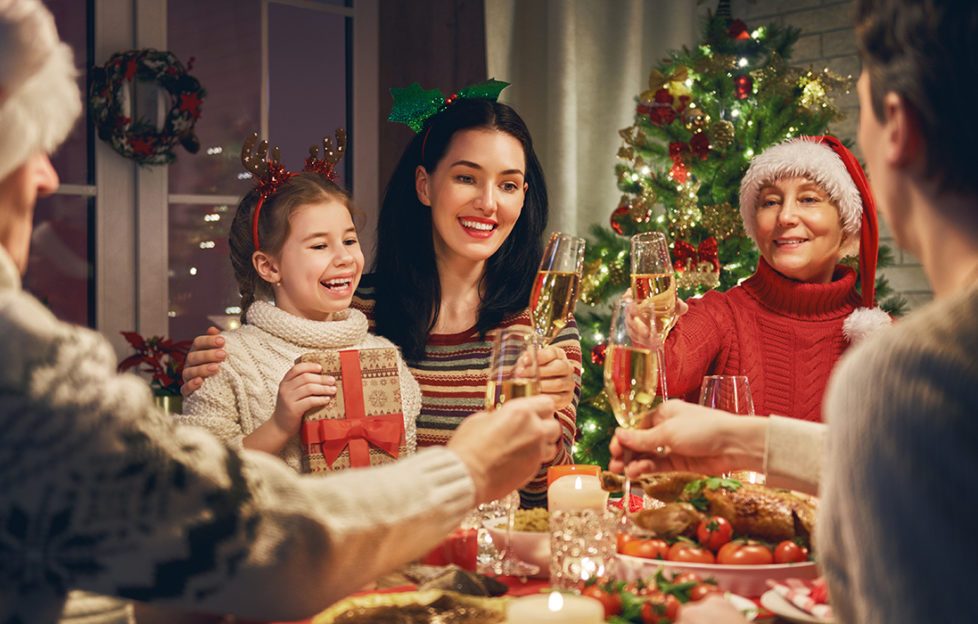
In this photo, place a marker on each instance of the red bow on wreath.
(688, 257)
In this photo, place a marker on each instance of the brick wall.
(827, 41)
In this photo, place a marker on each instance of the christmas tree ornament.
(721, 134)
(598, 353)
(743, 86)
(112, 98)
(620, 213)
(696, 267)
(693, 118)
(699, 145)
(723, 221)
(600, 401)
(593, 281)
(616, 272)
(738, 30)
(640, 212)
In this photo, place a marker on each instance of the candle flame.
(555, 602)
(578, 484)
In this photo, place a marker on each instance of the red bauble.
(738, 30)
(743, 85)
(700, 145)
(598, 352)
(620, 212)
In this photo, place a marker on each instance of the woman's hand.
(556, 375)
(204, 359)
(640, 323)
(691, 437)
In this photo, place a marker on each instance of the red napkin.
(809, 596)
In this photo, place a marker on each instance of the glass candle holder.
(582, 547)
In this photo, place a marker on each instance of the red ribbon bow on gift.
(687, 256)
(358, 431)
(384, 432)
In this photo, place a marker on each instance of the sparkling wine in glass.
(631, 375)
(654, 285)
(555, 288)
(730, 393)
(513, 373)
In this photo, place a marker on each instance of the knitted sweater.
(242, 395)
(896, 531)
(784, 335)
(453, 377)
(100, 491)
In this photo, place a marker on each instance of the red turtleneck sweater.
(784, 335)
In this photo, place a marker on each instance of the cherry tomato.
(701, 591)
(790, 552)
(610, 601)
(687, 577)
(744, 553)
(690, 553)
(714, 532)
(623, 538)
(658, 606)
(647, 548)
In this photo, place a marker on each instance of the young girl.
(297, 269)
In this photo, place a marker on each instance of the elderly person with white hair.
(100, 491)
(806, 203)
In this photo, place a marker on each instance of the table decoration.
(580, 491)
(555, 607)
(562, 470)
(582, 546)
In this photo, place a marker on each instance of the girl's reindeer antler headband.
(270, 175)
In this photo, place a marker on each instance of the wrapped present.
(363, 424)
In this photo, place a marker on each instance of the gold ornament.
(723, 221)
(693, 117)
(721, 134)
(639, 212)
(591, 282)
(616, 272)
(626, 153)
(701, 275)
(600, 402)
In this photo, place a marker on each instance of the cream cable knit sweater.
(241, 396)
(100, 491)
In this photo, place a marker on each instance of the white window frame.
(131, 207)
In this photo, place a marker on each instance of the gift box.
(362, 425)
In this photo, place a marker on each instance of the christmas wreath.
(111, 96)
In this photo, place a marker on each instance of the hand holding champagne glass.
(555, 288)
(513, 374)
(654, 285)
(730, 393)
(631, 374)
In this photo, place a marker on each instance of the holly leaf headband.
(413, 105)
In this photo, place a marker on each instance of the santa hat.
(826, 161)
(39, 95)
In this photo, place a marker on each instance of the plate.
(779, 605)
(530, 546)
(406, 599)
(746, 580)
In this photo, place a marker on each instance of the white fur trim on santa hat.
(39, 96)
(864, 321)
(814, 160)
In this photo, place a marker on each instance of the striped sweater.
(453, 377)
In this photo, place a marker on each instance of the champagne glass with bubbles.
(654, 286)
(513, 374)
(631, 373)
(730, 393)
(555, 288)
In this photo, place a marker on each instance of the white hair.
(39, 95)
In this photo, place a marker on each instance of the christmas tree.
(706, 113)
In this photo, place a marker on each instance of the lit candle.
(555, 607)
(562, 470)
(577, 492)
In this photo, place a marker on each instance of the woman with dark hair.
(459, 243)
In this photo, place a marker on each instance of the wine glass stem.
(662, 369)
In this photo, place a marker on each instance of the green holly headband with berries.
(413, 105)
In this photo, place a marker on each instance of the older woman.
(806, 204)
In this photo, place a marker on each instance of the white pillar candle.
(555, 607)
(577, 492)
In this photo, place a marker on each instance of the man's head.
(39, 103)
(926, 52)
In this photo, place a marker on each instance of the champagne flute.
(654, 285)
(555, 287)
(513, 373)
(631, 374)
(730, 393)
